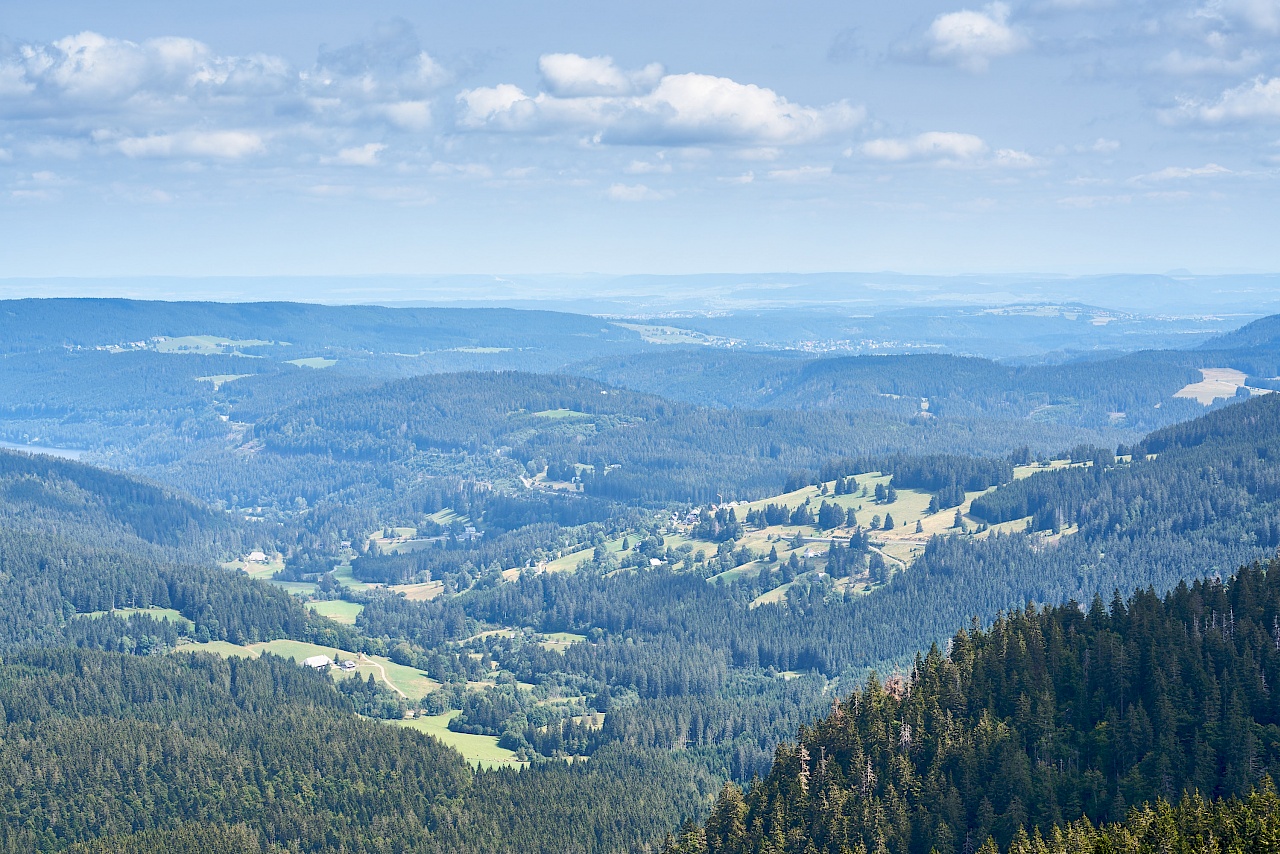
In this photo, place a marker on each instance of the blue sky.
(282, 137)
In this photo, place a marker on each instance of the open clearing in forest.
(317, 362)
(407, 681)
(170, 614)
(206, 345)
(654, 334)
(556, 414)
(1217, 383)
(338, 610)
(560, 641)
(480, 750)
(419, 592)
(219, 380)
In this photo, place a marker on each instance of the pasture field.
(419, 592)
(560, 641)
(1217, 383)
(409, 682)
(656, 334)
(219, 380)
(559, 414)
(317, 362)
(169, 614)
(338, 610)
(342, 574)
(208, 345)
(480, 750)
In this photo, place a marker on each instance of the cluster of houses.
(324, 662)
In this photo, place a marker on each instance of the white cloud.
(568, 75)
(1257, 99)
(408, 115)
(1088, 202)
(1177, 173)
(679, 109)
(634, 193)
(1010, 158)
(222, 145)
(946, 148)
(935, 145)
(1178, 63)
(362, 155)
(644, 167)
(462, 170)
(1262, 15)
(971, 39)
(168, 97)
(801, 174)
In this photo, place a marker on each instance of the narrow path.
(898, 561)
(382, 671)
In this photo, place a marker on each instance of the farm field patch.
(407, 681)
(480, 750)
(338, 610)
(1217, 383)
(170, 614)
(208, 345)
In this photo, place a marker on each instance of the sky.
(283, 138)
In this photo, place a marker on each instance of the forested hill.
(1134, 392)
(1264, 332)
(132, 754)
(638, 447)
(76, 541)
(1048, 716)
(96, 506)
(42, 324)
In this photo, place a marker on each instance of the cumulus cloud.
(177, 97)
(362, 155)
(1258, 99)
(971, 39)
(674, 109)
(568, 75)
(935, 145)
(223, 145)
(946, 148)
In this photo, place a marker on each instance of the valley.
(638, 564)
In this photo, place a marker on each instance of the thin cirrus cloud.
(177, 97)
(1181, 173)
(971, 38)
(634, 193)
(593, 96)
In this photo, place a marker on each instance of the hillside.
(78, 543)
(142, 753)
(1264, 332)
(1046, 717)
